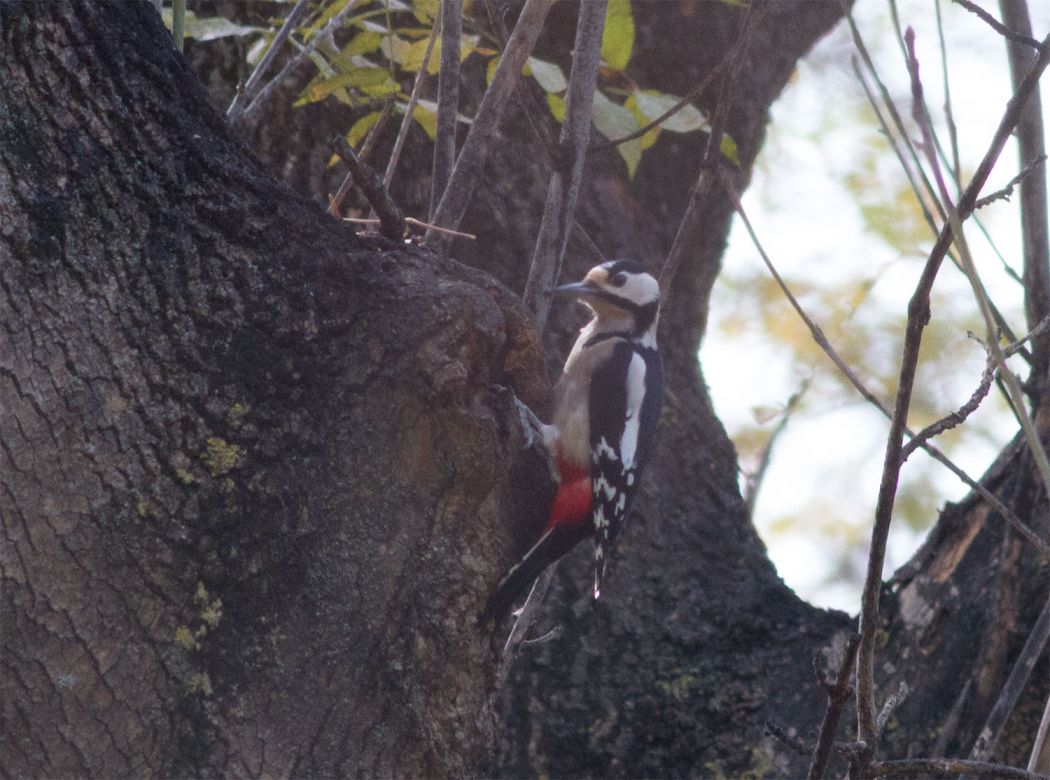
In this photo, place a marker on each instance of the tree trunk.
(255, 469)
(280, 460)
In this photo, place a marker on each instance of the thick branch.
(1031, 145)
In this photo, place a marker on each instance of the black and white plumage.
(606, 409)
(624, 394)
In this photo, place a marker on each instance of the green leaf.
(653, 105)
(615, 121)
(618, 37)
(361, 127)
(427, 120)
(210, 27)
(364, 42)
(728, 149)
(547, 74)
(556, 103)
(490, 69)
(356, 78)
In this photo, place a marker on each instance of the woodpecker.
(606, 408)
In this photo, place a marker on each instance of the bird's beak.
(586, 287)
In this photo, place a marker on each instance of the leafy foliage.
(385, 45)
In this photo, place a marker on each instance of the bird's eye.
(618, 280)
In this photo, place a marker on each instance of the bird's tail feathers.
(552, 545)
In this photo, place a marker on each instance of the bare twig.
(780, 734)
(263, 97)
(918, 316)
(710, 164)
(958, 416)
(1039, 761)
(472, 157)
(689, 97)
(892, 702)
(524, 621)
(838, 694)
(413, 98)
(1033, 648)
(949, 117)
(1031, 145)
(366, 150)
(178, 23)
(999, 27)
(564, 186)
(926, 192)
(247, 92)
(821, 340)
(1008, 190)
(753, 481)
(448, 99)
(924, 767)
(391, 219)
(1009, 380)
(414, 223)
(544, 127)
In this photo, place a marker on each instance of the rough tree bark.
(254, 469)
(265, 466)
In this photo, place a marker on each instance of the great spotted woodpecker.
(606, 407)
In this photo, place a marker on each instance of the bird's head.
(619, 292)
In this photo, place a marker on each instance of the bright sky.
(827, 464)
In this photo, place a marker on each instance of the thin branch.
(524, 621)
(260, 100)
(248, 91)
(838, 695)
(781, 734)
(472, 157)
(178, 23)
(1008, 378)
(414, 223)
(999, 27)
(564, 186)
(448, 100)
(1008, 190)
(413, 98)
(710, 164)
(753, 481)
(391, 219)
(1039, 761)
(927, 187)
(892, 702)
(988, 738)
(956, 417)
(949, 117)
(821, 340)
(366, 150)
(924, 767)
(689, 97)
(1031, 145)
(918, 316)
(541, 123)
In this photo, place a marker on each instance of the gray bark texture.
(259, 474)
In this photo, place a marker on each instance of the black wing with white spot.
(625, 396)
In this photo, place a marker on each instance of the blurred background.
(838, 218)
